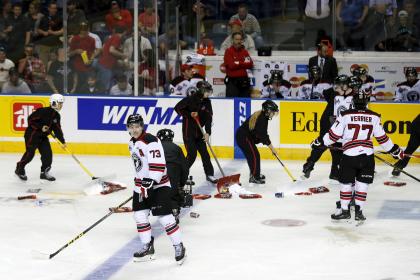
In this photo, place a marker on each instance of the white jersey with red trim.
(149, 160)
(356, 128)
(408, 91)
(309, 90)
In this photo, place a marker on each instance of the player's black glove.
(317, 143)
(146, 183)
(396, 152)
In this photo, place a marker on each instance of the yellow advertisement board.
(300, 121)
(14, 112)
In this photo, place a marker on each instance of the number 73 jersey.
(149, 160)
(356, 128)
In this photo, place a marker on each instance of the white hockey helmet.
(55, 99)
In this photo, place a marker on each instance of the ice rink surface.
(230, 239)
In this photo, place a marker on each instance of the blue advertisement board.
(242, 111)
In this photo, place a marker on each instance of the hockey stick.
(285, 168)
(40, 255)
(405, 155)
(390, 164)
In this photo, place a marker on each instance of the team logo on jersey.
(138, 165)
(413, 96)
(21, 112)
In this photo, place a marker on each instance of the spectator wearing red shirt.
(238, 63)
(147, 22)
(147, 73)
(33, 70)
(82, 51)
(111, 53)
(118, 17)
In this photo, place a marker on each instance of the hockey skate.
(358, 216)
(146, 253)
(180, 253)
(256, 180)
(21, 174)
(307, 168)
(45, 175)
(341, 214)
(211, 179)
(397, 169)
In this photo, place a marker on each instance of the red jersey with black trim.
(149, 160)
(356, 128)
(237, 61)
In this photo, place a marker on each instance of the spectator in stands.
(122, 87)
(327, 64)
(149, 22)
(108, 60)
(128, 48)
(404, 21)
(75, 17)
(15, 84)
(91, 86)
(6, 13)
(228, 7)
(168, 40)
(350, 16)
(82, 53)
(238, 64)
(17, 34)
(33, 19)
(317, 19)
(249, 24)
(55, 72)
(118, 17)
(147, 73)
(247, 41)
(32, 69)
(5, 65)
(403, 42)
(50, 30)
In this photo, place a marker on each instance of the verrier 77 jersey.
(356, 128)
(149, 160)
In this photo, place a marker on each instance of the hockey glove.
(317, 143)
(396, 152)
(146, 183)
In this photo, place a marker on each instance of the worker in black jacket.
(198, 105)
(176, 164)
(252, 132)
(40, 124)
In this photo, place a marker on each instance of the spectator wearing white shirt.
(317, 19)
(5, 65)
(250, 24)
(15, 84)
(248, 42)
(128, 48)
(122, 87)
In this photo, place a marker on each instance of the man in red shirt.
(147, 22)
(82, 53)
(118, 17)
(238, 65)
(111, 53)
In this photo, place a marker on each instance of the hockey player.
(152, 190)
(177, 167)
(191, 107)
(179, 85)
(254, 131)
(40, 124)
(413, 144)
(313, 87)
(338, 100)
(410, 89)
(276, 86)
(356, 127)
(368, 82)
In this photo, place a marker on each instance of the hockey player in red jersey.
(356, 127)
(152, 190)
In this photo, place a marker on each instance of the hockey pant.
(145, 230)
(336, 155)
(192, 145)
(35, 140)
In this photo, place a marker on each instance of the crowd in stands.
(101, 46)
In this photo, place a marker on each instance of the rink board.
(96, 125)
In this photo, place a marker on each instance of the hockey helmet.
(135, 119)
(341, 80)
(55, 100)
(315, 72)
(276, 76)
(269, 107)
(360, 71)
(411, 72)
(355, 82)
(204, 86)
(165, 134)
(360, 100)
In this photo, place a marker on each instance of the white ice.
(227, 241)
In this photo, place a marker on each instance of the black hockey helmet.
(204, 86)
(359, 71)
(269, 106)
(135, 119)
(165, 134)
(276, 76)
(355, 82)
(411, 72)
(315, 72)
(341, 80)
(361, 99)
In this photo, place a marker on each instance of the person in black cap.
(15, 84)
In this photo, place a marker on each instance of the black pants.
(238, 87)
(413, 144)
(175, 174)
(192, 145)
(360, 168)
(335, 155)
(250, 151)
(36, 140)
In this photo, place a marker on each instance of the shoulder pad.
(177, 80)
(149, 138)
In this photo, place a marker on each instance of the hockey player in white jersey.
(410, 89)
(180, 85)
(313, 87)
(356, 127)
(368, 82)
(276, 86)
(152, 190)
